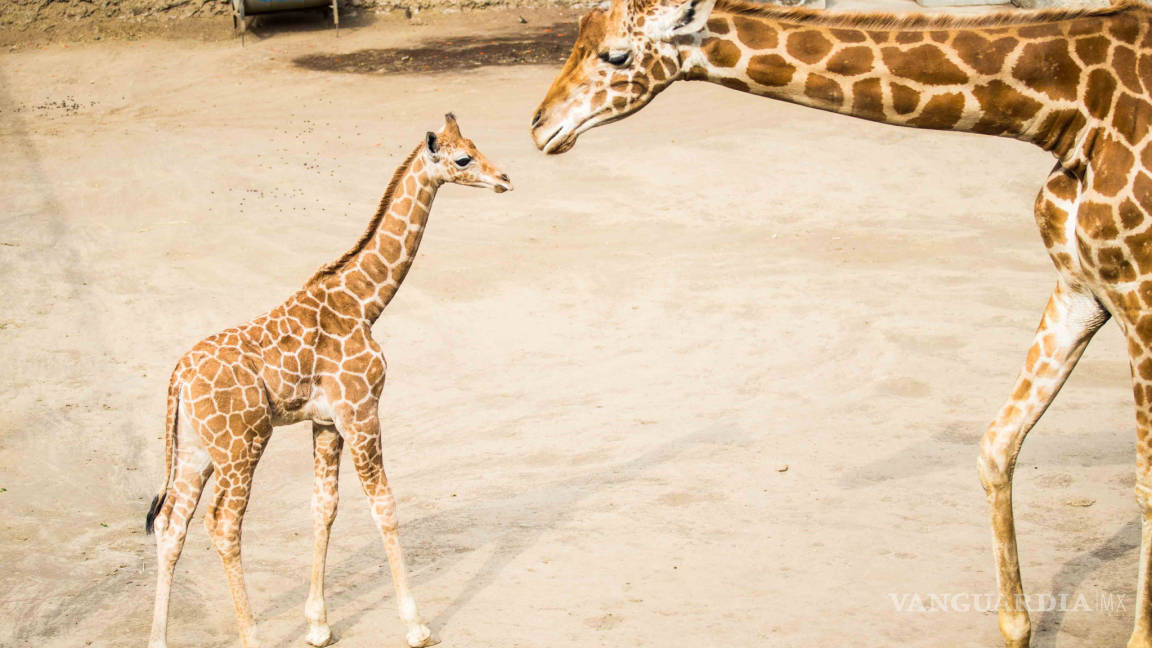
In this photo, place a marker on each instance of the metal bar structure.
(242, 9)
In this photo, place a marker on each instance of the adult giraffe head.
(623, 57)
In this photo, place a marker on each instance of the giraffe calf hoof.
(421, 636)
(319, 635)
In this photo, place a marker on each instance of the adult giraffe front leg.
(1070, 320)
(362, 434)
(326, 446)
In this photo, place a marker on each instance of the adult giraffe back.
(1077, 83)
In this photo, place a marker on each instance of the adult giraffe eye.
(617, 58)
(463, 161)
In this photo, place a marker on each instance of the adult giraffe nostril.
(536, 118)
(505, 178)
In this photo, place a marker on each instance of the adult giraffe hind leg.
(326, 446)
(1141, 360)
(1070, 320)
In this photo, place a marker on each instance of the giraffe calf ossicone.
(311, 358)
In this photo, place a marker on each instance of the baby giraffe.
(310, 359)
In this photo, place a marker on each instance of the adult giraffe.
(1077, 83)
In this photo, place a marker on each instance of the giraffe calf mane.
(917, 21)
(329, 269)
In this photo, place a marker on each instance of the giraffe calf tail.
(153, 510)
(169, 453)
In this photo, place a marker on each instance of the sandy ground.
(594, 380)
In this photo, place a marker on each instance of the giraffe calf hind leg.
(326, 447)
(171, 515)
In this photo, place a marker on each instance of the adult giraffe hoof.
(421, 636)
(319, 636)
(1140, 641)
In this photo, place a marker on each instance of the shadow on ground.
(539, 45)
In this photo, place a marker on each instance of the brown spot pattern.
(1051, 219)
(984, 55)
(808, 46)
(1048, 67)
(824, 90)
(1004, 107)
(851, 61)
(717, 25)
(904, 99)
(771, 70)
(1095, 220)
(721, 53)
(941, 111)
(755, 33)
(1131, 118)
(1059, 131)
(848, 35)
(924, 64)
(1124, 62)
(1092, 50)
(867, 99)
(1111, 164)
(1098, 95)
(735, 84)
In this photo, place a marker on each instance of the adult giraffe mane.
(331, 268)
(916, 21)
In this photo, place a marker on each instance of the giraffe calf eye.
(463, 161)
(617, 58)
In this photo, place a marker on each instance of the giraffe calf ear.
(450, 125)
(431, 142)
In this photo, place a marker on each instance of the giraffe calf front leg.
(326, 446)
(364, 441)
(384, 512)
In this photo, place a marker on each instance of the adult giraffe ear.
(680, 18)
(431, 143)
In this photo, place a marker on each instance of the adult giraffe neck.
(362, 281)
(1035, 79)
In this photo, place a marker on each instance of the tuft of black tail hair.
(153, 510)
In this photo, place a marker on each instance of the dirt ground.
(596, 380)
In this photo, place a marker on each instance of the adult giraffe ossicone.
(311, 358)
(1077, 83)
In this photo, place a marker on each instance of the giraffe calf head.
(455, 158)
(623, 57)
